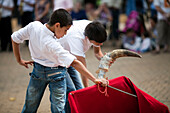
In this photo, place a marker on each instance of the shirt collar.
(49, 32)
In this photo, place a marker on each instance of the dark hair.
(60, 16)
(146, 34)
(130, 30)
(96, 31)
(154, 18)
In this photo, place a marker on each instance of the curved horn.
(123, 53)
(111, 56)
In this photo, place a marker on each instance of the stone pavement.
(151, 74)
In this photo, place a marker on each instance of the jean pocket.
(34, 76)
(56, 76)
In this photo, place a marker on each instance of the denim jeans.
(130, 6)
(40, 78)
(74, 82)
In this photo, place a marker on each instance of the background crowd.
(146, 27)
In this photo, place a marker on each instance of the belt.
(57, 67)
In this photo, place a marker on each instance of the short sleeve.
(32, 1)
(156, 3)
(11, 4)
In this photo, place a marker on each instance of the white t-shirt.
(161, 4)
(43, 46)
(113, 3)
(134, 46)
(74, 41)
(27, 7)
(146, 44)
(7, 3)
(65, 4)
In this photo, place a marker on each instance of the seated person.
(128, 38)
(145, 45)
(135, 43)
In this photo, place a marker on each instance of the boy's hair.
(96, 31)
(60, 16)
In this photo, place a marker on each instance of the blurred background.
(130, 24)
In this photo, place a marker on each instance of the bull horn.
(111, 56)
(122, 53)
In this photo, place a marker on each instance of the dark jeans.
(115, 24)
(5, 33)
(26, 18)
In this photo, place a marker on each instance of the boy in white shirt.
(50, 61)
(79, 38)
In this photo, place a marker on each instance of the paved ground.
(151, 74)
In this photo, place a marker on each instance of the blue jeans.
(40, 78)
(130, 6)
(74, 82)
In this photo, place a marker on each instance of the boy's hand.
(102, 81)
(25, 63)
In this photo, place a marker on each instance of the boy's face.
(96, 44)
(60, 31)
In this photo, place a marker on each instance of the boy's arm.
(83, 70)
(17, 55)
(84, 78)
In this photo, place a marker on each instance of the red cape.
(90, 100)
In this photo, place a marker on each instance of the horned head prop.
(112, 56)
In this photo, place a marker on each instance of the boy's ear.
(57, 25)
